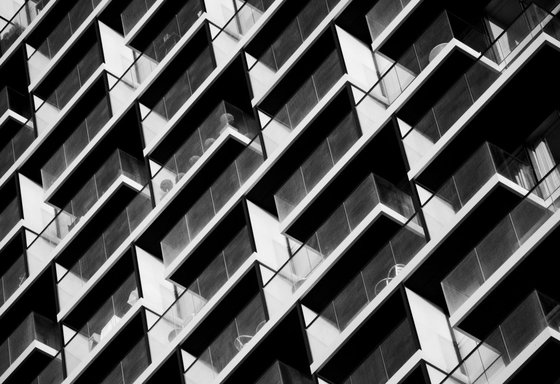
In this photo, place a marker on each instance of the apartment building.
(279, 191)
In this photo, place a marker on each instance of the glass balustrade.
(382, 14)
(11, 30)
(24, 266)
(12, 100)
(39, 58)
(385, 266)
(398, 73)
(134, 12)
(100, 325)
(280, 373)
(201, 290)
(116, 165)
(9, 216)
(486, 162)
(301, 102)
(49, 109)
(14, 148)
(372, 192)
(492, 356)
(419, 138)
(232, 339)
(82, 135)
(501, 242)
(211, 202)
(52, 373)
(387, 358)
(173, 31)
(71, 280)
(269, 62)
(131, 366)
(316, 165)
(226, 38)
(223, 119)
(33, 328)
(154, 118)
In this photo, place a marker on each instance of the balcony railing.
(302, 101)
(227, 344)
(502, 242)
(75, 143)
(72, 280)
(177, 27)
(49, 109)
(419, 139)
(316, 166)
(10, 99)
(492, 356)
(488, 161)
(280, 373)
(372, 192)
(13, 29)
(9, 216)
(16, 146)
(131, 366)
(398, 74)
(384, 267)
(116, 165)
(25, 265)
(134, 12)
(194, 299)
(34, 328)
(39, 59)
(387, 358)
(222, 118)
(211, 202)
(288, 41)
(100, 325)
(155, 117)
(382, 14)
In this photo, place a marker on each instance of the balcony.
(501, 243)
(490, 358)
(440, 211)
(27, 264)
(130, 367)
(16, 25)
(210, 203)
(12, 100)
(380, 16)
(82, 135)
(72, 279)
(301, 102)
(263, 69)
(34, 331)
(373, 195)
(14, 148)
(231, 340)
(387, 263)
(99, 327)
(420, 138)
(316, 166)
(134, 12)
(155, 117)
(9, 216)
(194, 299)
(224, 120)
(40, 58)
(172, 32)
(387, 358)
(280, 373)
(48, 109)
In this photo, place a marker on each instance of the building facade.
(279, 191)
